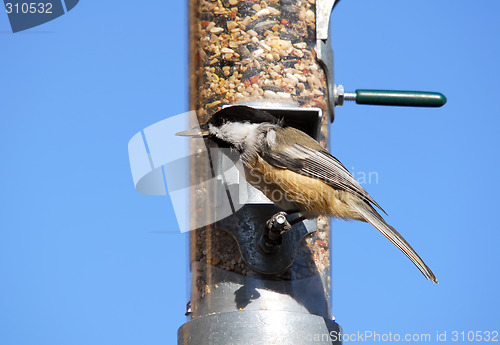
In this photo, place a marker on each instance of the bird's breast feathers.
(290, 190)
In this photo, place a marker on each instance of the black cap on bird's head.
(243, 114)
(235, 113)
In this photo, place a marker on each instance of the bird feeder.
(273, 55)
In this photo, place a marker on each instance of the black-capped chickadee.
(295, 172)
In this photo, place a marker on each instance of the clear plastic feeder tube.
(258, 53)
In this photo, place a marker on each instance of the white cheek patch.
(236, 133)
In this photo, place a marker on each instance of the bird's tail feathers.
(370, 215)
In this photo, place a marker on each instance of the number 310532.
(31, 7)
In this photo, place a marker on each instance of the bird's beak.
(196, 132)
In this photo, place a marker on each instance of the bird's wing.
(314, 161)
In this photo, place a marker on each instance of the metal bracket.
(247, 226)
(324, 52)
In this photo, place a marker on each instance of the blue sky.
(85, 259)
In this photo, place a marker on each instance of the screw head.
(281, 219)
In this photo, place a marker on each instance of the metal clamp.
(324, 52)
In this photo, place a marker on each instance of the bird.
(296, 173)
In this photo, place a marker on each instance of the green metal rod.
(402, 98)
